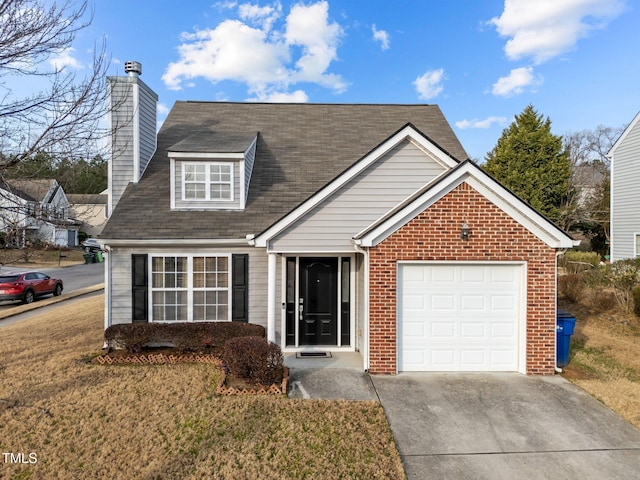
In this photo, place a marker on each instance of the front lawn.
(62, 416)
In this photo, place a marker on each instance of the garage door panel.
(443, 329)
(469, 313)
(474, 329)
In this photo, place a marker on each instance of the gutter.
(171, 242)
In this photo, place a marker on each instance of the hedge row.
(186, 337)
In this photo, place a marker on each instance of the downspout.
(107, 292)
(365, 253)
(555, 338)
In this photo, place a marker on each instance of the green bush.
(575, 261)
(185, 336)
(254, 359)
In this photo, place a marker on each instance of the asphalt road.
(74, 278)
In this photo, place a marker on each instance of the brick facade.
(435, 235)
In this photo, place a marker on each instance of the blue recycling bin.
(565, 323)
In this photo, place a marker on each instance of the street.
(74, 278)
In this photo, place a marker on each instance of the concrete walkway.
(488, 426)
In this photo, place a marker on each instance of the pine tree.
(532, 162)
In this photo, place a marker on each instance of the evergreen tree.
(532, 162)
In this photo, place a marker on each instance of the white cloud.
(262, 16)
(429, 84)
(544, 29)
(265, 58)
(381, 36)
(162, 109)
(515, 83)
(299, 96)
(308, 27)
(476, 123)
(64, 59)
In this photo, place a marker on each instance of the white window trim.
(208, 182)
(189, 288)
(636, 250)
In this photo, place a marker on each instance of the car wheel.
(28, 297)
(58, 290)
(87, 249)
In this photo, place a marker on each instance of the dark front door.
(318, 303)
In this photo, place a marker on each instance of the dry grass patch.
(87, 421)
(605, 359)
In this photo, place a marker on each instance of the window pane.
(223, 279)
(195, 173)
(195, 191)
(223, 264)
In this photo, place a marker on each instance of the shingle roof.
(87, 198)
(31, 189)
(300, 148)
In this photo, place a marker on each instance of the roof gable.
(622, 137)
(477, 178)
(407, 133)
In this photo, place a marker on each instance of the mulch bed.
(228, 386)
(233, 386)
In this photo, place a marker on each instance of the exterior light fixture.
(465, 231)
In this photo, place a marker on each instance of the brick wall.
(435, 235)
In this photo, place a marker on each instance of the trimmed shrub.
(571, 287)
(254, 359)
(185, 336)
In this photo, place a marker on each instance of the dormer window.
(212, 170)
(208, 181)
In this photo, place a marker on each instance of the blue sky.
(482, 61)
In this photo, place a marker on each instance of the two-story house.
(339, 227)
(35, 210)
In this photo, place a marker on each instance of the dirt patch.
(605, 358)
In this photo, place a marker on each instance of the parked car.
(91, 245)
(27, 286)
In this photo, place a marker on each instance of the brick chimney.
(132, 120)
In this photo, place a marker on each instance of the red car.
(27, 286)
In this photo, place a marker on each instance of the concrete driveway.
(505, 426)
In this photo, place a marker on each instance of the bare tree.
(63, 116)
(587, 206)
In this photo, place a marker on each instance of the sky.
(482, 61)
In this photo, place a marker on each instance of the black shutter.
(139, 282)
(240, 288)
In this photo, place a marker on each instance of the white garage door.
(459, 317)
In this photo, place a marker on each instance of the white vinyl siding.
(625, 196)
(126, 119)
(331, 225)
(249, 159)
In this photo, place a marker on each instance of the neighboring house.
(36, 210)
(337, 227)
(625, 193)
(90, 210)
